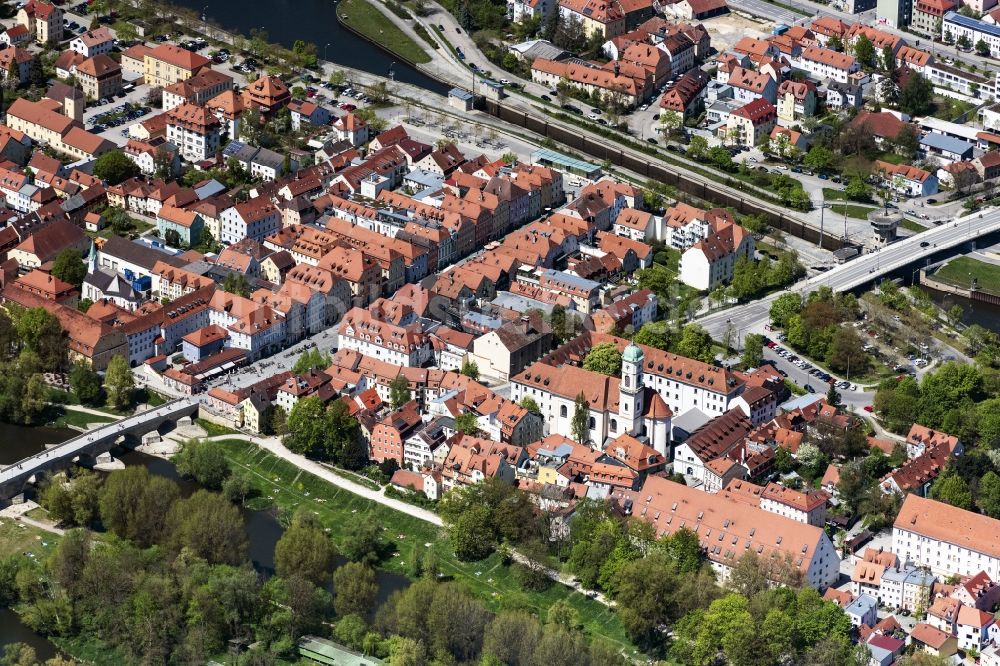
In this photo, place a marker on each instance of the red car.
(868, 408)
(348, 107)
(772, 344)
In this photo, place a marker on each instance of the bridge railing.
(81, 441)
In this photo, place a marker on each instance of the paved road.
(864, 269)
(752, 317)
(767, 10)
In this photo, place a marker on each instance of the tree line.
(815, 327)
(667, 595)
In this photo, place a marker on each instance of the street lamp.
(204, 14)
(325, 49)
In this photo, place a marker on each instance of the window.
(562, 411)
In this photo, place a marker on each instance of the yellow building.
(99, 76)
(167, 64)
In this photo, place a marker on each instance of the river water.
(311, 21)
(18, 442)
(986, 315)
(263, 528)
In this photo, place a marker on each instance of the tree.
(125, 30)
(846, 353)
(511, 638)
(671, 121)
(917, 95)
(988, 495)
(605, 359)
(698, 148)
(580, 425)
(964, 42)
(203, 461)
(208, 526)
(833, 396)
(355, 588)
(237, 487)
(312, 359)
(529, 404)
(113, 167)
(307, 428)
(857, 190)
(470, 369)
(653, 334)
(952, 489)
(40, 332)
(645, 596)
(783, 307)
(86, 383)
(67, 562)
(818, 158)
(70, 267)
(955, 314)
(864, 52)
(696, 343)
(907, 144)
(753, 350)
(467, 423)
(172, 238)
(658, 279)
(982, 48)
(363, 542)
(119, 382)
(399, 392)
(134, 504)
(305, 550)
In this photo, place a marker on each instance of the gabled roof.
(178, 57)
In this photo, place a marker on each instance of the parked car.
(868, 408)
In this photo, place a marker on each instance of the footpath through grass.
(289, 488)
(368, 19)
(961, 270)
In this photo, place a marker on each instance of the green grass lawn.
(89, 650)
(70, 417)
(369, 20)
(289, 488)
(669, 257)
(960, 270)
(907, 223)
(17, 538)
(214, 429)
(836, 195)
(853, 210)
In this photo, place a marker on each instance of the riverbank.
(288, 488)
(961, 271)
(367, 20)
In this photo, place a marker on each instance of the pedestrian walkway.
(274, 446)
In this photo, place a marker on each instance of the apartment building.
(946, 539)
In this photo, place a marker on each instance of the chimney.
(617, 68)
